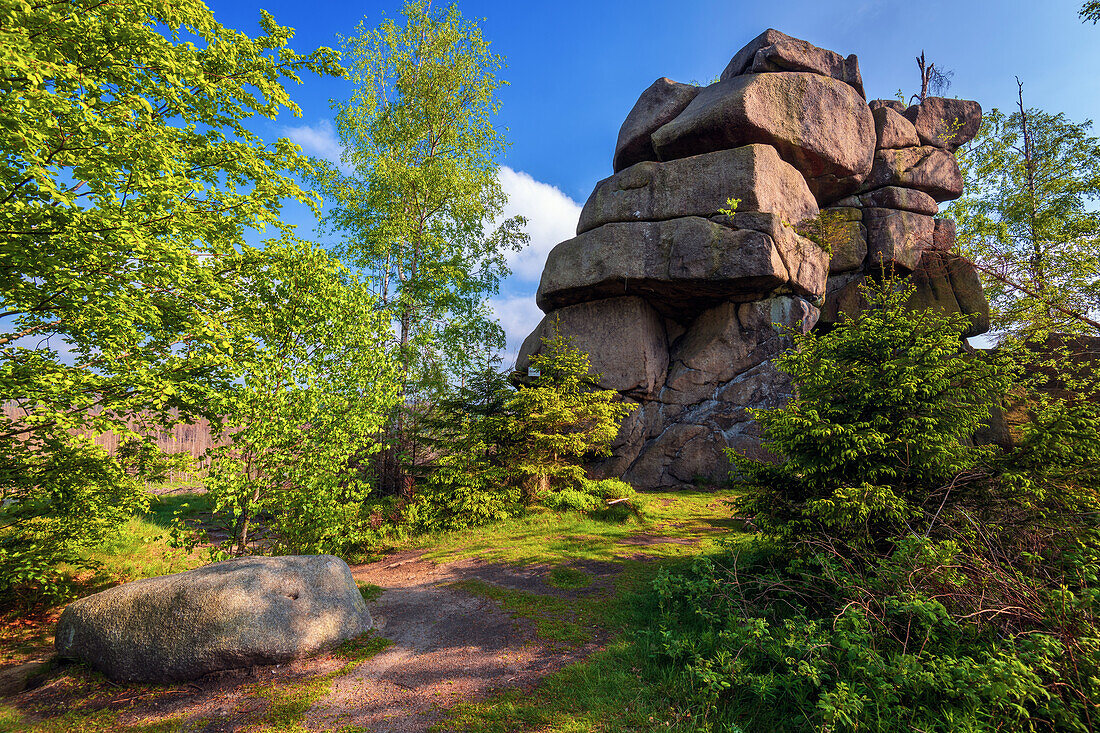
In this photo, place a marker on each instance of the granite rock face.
(683, 306)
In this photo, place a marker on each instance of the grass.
(670, 524)
(567, 578)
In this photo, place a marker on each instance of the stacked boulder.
(690, 265)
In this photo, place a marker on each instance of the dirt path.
(448, 645)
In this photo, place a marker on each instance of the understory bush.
(903, 578)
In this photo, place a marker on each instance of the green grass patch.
(568, 578)
(556, 619)
(370, 591)
(680, 523)
(362, 647)
(102, 721)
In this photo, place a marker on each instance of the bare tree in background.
(931, 80)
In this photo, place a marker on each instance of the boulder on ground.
(932, 170)
(775, 51)
(238, 613)
(892, 130)
(684, 265)
(624, 338)
(945, 123)
(897, 239)
(659, 104)
(700, 185)
(774, 109)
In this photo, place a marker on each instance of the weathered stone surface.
(624, 338)
(926, 168)
(893, 104)
(238, 613)
(849, 247)
(721, 367)
(943, 237)
(795, 55)
(684, 265)
(741, 60)
(776, 109)
(949, 283)
(905, 199)
(658, 105)
(700, 186)
(842, 296)
(897, 239)
(945, 123)
(892, 130)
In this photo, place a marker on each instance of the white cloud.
(518, 316)
(319, 140)
(551, 218)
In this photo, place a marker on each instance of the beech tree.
(417, 214)
(127, 180)
(1027, 219)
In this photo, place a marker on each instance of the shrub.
(904, 578)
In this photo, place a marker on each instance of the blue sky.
(576, 68)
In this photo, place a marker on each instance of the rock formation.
(682, 306)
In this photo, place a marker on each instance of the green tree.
(1026, 218)
(317, 385)
(128, 178)
(1090, 11)
(418, 212)
(882, 421)
(561, 418)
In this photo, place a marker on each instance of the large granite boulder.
(658, 105)
(701, 185)
(625, 339)
(897, 239)
(774, 109)
(238, 613)
(684, 265)
(892, 130)
(775, 51)
(945, 123)
(932, 170)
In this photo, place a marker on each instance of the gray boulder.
(624, 338)
(945, 123)
(774, 109)
(700, 186)
(238, 613)
(658, 105)
(897, 239)
(776, 51)
(892, 130)
(684, 265)
(932, 170)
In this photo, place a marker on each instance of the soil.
(448, 646)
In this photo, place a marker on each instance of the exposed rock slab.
(238, 613)
(658, 105)
(945, 123)
(624, 338)
(781, 109)
(929, 169)
(700, 185)
(905, 199)
(684, 265)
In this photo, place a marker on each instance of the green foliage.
(904, 579)
(418, 209)
(1090, 11)
(127, 180)
(317, 386)
(886, 405)
(1027, 218)
(563, 417)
